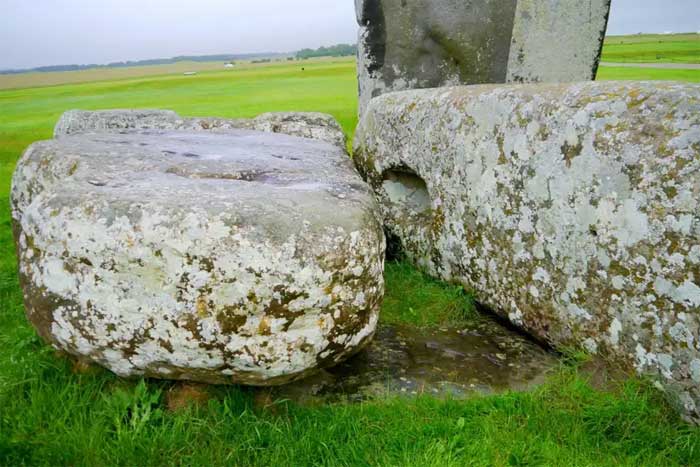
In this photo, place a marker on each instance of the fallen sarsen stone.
(572, 210)
(220, 257)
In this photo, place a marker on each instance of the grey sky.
(53, 32)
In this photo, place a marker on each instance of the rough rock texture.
(434, 43)
(235, 257)
(573, 210)
(304, 124)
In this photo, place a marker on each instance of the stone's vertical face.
(221, 257)
(428, 43)
(371, 15)
(572, 210)
(434, 43)
(557, 41)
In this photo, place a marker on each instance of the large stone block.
(312, 125)
(572, 210)
(434, 43)
(228, 257)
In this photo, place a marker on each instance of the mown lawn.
(650, 48)
(651, 74)
(52, 414)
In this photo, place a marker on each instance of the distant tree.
(338, 50)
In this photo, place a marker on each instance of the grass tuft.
(414, 298)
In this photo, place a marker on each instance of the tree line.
(338, 50)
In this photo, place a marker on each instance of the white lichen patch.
(222, 258)
(570, 209)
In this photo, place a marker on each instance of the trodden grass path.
(52, 414)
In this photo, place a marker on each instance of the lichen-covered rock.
(231, 257)
(81, 121)
(433, 43)
(312, 125)
(572, 210)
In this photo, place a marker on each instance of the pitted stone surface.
(303, 124)
(433, 43)
(572, 210)
(235, 257)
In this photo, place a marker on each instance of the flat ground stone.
(312, 125)
(482, 357)
(231, 257)
(572, 210)
(432, 43)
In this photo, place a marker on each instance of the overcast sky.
(57, 32)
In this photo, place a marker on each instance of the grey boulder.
(230, 257)
(572, 210)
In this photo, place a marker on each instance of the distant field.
(650, 48)
(642, 48)
(30, 80)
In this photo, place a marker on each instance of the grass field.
(52, 414)
(31, 80)
(651, 48)
(606, 73)
(25, 80)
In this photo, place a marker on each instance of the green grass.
(650, 48)
(606, 73)
(57, 418)
(428, 303)
(50, 415)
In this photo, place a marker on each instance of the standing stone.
(572, 210)
(219, 257)
(434, 43)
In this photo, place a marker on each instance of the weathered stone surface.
(304, 124)
(235, 257)
(434, 43)
(80, 121)
(572, 210)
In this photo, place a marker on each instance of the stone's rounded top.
(313, 125)
(599, 94)
(79, 121)
(257, 177)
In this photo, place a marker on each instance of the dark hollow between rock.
(405, 188)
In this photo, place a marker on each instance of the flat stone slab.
(570, 209)
(311, 125)
(482, 357)
(231, 257)
(433, 43)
